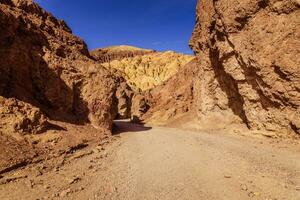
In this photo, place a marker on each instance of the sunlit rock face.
(248, 63)
(173, 98)
(143, 69)
(50, 87)
(42, 63)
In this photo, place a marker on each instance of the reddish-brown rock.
(247, 71)
(248, 63)
(123, 96)
(48, 80)
(20, 117)
(44, 64)
(104, 55)
(139, 107)
(141, 68)
(174, 98)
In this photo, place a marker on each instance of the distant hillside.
(142, 68)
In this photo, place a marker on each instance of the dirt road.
(167, 164)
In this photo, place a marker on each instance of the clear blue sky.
(154, 24)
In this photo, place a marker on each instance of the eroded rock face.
(173, 98)
(19, 117)
(140, 107)
(124, 95)
(44, 64)
(49, 84)
(105, 55)
(143, 69)
(249, 63)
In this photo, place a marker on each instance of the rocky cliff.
(143, 69)
(46, 76)
(44, 64)
(171, 99)
(249, 63)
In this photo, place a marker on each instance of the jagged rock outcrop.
(124, 95)
(248, 63)
(20, 117)
(108, 54)
(171, 99)
(139, 107)
(49, 82)
(143, 69)
(44, 64)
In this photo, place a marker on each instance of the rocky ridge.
(108, 54)
(49, 81)
(142, 69)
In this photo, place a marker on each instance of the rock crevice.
(250, 53)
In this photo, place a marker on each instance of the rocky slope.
(246, 74)
(143, 69)
(249, 63)
(169, 100)
(53, 69)
(47, 75)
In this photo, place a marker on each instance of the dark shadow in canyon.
(123, 126)
(26, 76)
(229, 86)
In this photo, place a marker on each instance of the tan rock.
(108, 54)
(173, 98)
(249, 63)
(124, 96)
(45, 70)
(246, 74)
(19, 117)
(53, 69)
(139, 107)
(143, 69)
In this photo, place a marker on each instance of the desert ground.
(122, 122)
(151, 162)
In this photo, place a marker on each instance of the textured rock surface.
(143, 69)
(108, 54)
(47, 71)
(249, 63)
(14, 153)
(174, 98)
(139, 107)
(124, 95)
(19, 117)
(53, 69)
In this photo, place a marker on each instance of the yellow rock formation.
(144, 72)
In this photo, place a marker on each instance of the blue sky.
(153, 24)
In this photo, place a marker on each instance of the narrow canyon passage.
(168, 163)
(221, 77)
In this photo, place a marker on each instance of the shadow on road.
(123, 126)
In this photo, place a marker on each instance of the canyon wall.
(53, 95)
(43, 64)
(249, 60)
(172, 99)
